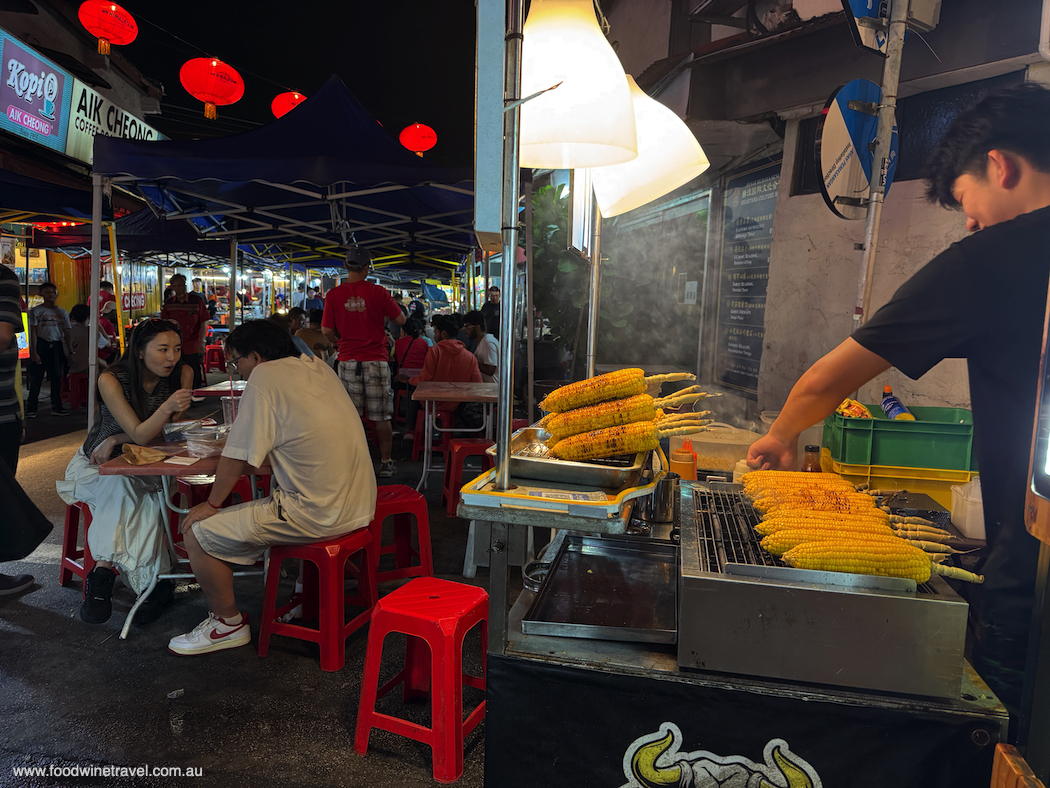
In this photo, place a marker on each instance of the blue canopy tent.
(299, 190)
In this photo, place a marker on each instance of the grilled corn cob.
(775, 525)
(781, 541)
(640, 407)
(614, 385)
(887, 558)
(624, 439)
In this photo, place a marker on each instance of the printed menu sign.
(34, 95)
(747, 232)
(93, 114)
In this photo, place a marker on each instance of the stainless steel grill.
(743, 611)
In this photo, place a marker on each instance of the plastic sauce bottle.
(893, 408)
(811, 461)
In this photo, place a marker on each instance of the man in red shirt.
(105, 295)
(191, 313)
(353, 318)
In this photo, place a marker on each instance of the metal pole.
(891, 72)
(592, 309)
(511, 129)
(117, 284)
(96, 276)
(232, 299)
(530, 347)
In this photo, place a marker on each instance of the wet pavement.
(74, 696)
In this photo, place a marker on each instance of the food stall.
(659, 644)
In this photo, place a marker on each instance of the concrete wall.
(640, 31)
(813, 275)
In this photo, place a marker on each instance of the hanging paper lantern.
(210, 80)
(285, 103)
(111, 23)
(418, 138)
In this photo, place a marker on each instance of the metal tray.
(529, 460)
(608, 589)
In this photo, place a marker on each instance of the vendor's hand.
(177, 402)
(201, 511)
(769, 453)
(103, 451)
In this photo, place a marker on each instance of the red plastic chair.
(75, 389)
(325, 565)
(71, 550)
(459, 450)
(402, 502)
(214, 358)
(443, 419)
(436, 615)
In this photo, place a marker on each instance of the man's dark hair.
(493, 288)
(1013, 119)
(316, 316)
(48, 284)
(447, 324)
(264, 337)
(104, 285)
(177, 276)
(297, 311)
(79, 313)
(474, 318)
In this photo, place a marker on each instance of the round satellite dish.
(844, 148)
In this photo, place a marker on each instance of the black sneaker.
(98, 596)
(13, 584)
(30, 414)
(159, 599)
(59, 412)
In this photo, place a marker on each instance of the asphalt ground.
(74, 695)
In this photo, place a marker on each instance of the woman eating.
(146, 388)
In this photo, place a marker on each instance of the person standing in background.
(191, 313)
(313, 300)
(105, 296)
(486, 349)
(490, 310)
(198, 289)
(49, 337)
(299, 296)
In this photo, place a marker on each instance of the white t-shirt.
(296, 411)
(487, 352)
(50, 322)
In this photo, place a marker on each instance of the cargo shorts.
(368, 384)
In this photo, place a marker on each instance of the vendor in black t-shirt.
(982, 299)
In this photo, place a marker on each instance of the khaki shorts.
(371, 388)
(240, 534)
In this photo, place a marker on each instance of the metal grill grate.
(725, 531)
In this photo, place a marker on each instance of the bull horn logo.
(656, 760)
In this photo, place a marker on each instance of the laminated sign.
(34, 95)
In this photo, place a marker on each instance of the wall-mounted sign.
(135, 300)
(34, 95)
(92, 114)
(844, 148)
(747, 236)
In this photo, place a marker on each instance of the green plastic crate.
(938, 438)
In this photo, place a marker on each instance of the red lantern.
(111, 23)
(285, 103)
(210, 80)
(418, 138)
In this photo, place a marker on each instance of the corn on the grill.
(620, 384)
(887, 558)
(775, 525)
(781, 541)
(624, 439)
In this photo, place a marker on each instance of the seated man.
(322, 488)
(448, 361)
(312, 335)
(285, 323)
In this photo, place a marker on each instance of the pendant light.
(109, 22)
(669, 156)
(588, 121)
(284, 103)
(210, 80)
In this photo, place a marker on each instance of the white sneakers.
(212, 634)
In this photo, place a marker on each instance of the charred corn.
(641, 407)
(612, 386)
(772, 526)
(887, 558)
(624, 439)
(781, 541)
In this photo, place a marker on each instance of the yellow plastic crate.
(934, 482)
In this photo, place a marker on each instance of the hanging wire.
(603, 22)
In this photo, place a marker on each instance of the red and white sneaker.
(212, 634)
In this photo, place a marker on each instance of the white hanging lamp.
(588, 121)
(669, 155)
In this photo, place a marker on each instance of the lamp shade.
(210, 80)
(109, 22)
(284, 103)
(668, 156)
(588, 121)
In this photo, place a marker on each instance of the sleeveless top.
(107, 425)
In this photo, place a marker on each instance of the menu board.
(747, 233)
(34, 95)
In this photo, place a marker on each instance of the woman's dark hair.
(412, 328)
(132, 363)
(79, 313)
(1013, 119)
(264, 337)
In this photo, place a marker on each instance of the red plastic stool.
(71, 550)
(399, 417)
(214, 358)
(442, 419)
(459, 450)
(401, 502)
(437, 614)
(75, 389)
(324, 566)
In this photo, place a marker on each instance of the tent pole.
(96, 276)
(232, 295)
(592, 319)
(511, 176)
(530, 347)
(117, 284)
(486, 255)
